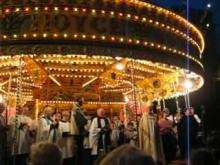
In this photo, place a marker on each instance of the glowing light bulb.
(209, 5)
(119, 66)
(126, 99)
(188, 84)
(27, 9)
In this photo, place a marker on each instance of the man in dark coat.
(187, 130)
(81, 121)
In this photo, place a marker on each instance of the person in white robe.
(99, 134)
(87, 127)
(149, 138)
(54, 132)
(20, 132)
(65, 141)
(44, 124)
(116, 124)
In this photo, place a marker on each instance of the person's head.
(189, 111)
(128, 155)
(115, 118)
(80, 101)
(166, 112)
(57, 116)
(2, 108)
(49, 111)
(202, 157)
(121, 127)
(19, 110)
(139, 118)
(65, 115)
(130, 126)
(45, 153)
(25, 110)
(101, 112)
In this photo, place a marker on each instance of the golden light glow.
(157, 23)
(115, 75)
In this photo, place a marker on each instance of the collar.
(63, 121)
(101, 117)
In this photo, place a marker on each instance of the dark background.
(209, 94)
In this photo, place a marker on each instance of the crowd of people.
(72, 137)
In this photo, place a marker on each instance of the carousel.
(110, 52)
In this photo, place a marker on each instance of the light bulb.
(119, 66)
(188, 84)
(209, 5)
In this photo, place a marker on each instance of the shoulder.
(94, 120)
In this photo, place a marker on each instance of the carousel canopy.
(99, 49)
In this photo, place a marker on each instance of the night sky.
(208, 95)
(200, 4)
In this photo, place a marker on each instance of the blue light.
(209, 5)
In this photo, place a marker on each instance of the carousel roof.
(101, 50)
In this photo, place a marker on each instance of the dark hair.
(127, 155)
(79, 101)
(202, 157)
(45, 153)
(121, 127)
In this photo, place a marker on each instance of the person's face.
(65, 116)
(192, 111)
(80, 102)
(25, 110)
(19, 110)
(58, 116)
(101, 113)
(116, 118)
(49, 111)
(189, 112)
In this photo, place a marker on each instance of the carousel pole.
(8, 95)
(36, 109)
(163, 103)
(187, 85)
(177, 104)
(176, 97)
(134, 99)
(18, 102)
(134, 92)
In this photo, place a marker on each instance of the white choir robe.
(66, 144)
(86, 138)
(22, 139)
(94, 135)
(43, 129)
(149, 138)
